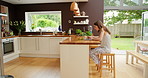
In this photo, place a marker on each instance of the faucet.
(40, 31)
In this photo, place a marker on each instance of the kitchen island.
(74, 57)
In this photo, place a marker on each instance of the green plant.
(83, 34)
(78, 31)
(19, 25)
(146, 22)
(88, 33)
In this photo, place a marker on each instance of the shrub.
(46, 23)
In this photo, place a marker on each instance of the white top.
(106, 42)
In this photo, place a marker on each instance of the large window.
(47, 21)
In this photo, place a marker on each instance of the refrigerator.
(145, 23)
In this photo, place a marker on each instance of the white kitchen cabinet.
(40, 46)
(16, 45)
(54, 46)
(28, 44)
(43, 45)
(74, 61)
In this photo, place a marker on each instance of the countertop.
(9, 37)
(79, 40)
(44, 36)
(36, 36)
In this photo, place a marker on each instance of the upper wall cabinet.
(4, 18)
(3, 9)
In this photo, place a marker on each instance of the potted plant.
(78, 32)
(83, 34)
(88, 33)
(19, 25)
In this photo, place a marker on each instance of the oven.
(8, 46)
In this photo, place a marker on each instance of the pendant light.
(74, 6)
(77, 13)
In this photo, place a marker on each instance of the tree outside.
(118, 16)
(146, 22)
(112, 17)
(46, 22)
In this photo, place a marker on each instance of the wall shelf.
(80, 16)
(81, 20)
(80, 24)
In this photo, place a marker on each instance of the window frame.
(40, 13)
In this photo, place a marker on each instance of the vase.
(19, 32)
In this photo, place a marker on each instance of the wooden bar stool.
(107, 62)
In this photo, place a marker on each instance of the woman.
(104, 37)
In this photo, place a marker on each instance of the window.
(111, 2)
(145, 2)
(47, 21)
(130, 2)
(125, 4)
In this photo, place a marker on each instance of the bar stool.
(107, 62)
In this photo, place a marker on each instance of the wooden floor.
(50, 68)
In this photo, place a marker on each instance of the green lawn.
(123, 43)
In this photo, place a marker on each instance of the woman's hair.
(100, 26)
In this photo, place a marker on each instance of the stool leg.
(132, 60)
(98, 66)
(106, 60)
(136, 60)
(111, 63)
(101, 62)
(114, 66)
(127, 55)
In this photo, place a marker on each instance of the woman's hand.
(96, 38)
(90, 37)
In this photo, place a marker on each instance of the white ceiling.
(40, 1)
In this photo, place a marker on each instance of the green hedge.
(46, 23)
